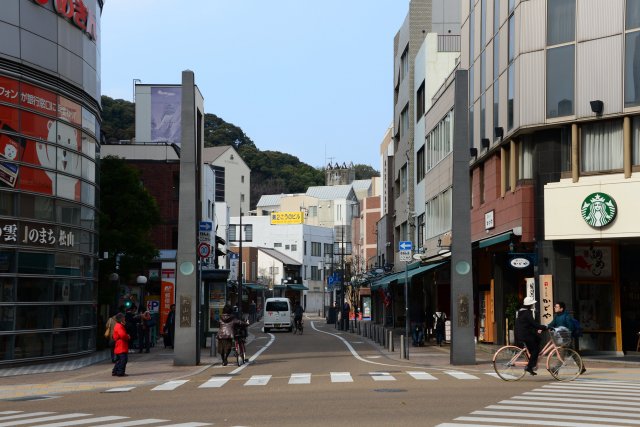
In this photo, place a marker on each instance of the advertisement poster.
(166, 114)
(217, 299)
(167, 292)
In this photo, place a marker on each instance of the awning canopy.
(296, 287)
(495, 240)
(417, 271)
(383, 282)
(253, 286)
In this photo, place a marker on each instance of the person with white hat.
(528, 331)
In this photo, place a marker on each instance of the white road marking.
(80, 422)
(300, 379)
(188, 425)
(532, 422)
(461, 375)
(419, 375)
(255, 356)
(50, 418)
(341, 377)
(21, 415)
(215, 382)
(381, 376)
(119, 389)
(170, 385)
(258, 380)
(146, 421)
(493, 374)
(373, 357)
(566, 409)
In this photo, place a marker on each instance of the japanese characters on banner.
(60, 154)
(531, 291)
(546, 299)
(33, 234)
(167, 290)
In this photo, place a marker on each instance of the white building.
(233, 180)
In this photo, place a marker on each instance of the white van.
(277, 314)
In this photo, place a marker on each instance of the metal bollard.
(402, 346)
(390, 341)
(214, 339)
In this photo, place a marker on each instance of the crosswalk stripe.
(300, 379)
(119, 389)
(50, 418)
(493, 374)
(467, 425)
(258, 380)
(554, 398)
(188, 425)
(573, 405)
(10, 412)
(526, 421)
(419, 375)
(382, 376)
(80, 422)
(461, 375)
(564, 417)
(599, 392)
(22, 415)
(146, 421)
(170, 385)
(341, 377)
(578, 395)
(562, 409)
(215, 382)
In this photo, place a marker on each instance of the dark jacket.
(562, 319)
(526, 327)
(228, 325)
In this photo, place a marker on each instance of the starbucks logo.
(598, 209)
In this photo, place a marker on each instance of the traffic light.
(127, 303)
(218, 251)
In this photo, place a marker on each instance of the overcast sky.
(310, 78)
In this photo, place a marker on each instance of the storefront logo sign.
(598, 209)
(77, 13)
(520, 263)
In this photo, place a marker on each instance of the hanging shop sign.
(519, 262)
(598, 209)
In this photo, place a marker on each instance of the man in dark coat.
(528, 331)
(169, 330)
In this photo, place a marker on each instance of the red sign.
(77, 13)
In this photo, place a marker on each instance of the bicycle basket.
(561, 336)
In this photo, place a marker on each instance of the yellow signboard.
(287, 218)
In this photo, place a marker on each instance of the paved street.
(324, 377)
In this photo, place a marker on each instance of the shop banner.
(546, 298)
(167, 293)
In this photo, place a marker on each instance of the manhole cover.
(389, 390)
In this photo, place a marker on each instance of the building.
(50, 142)
(232, 177)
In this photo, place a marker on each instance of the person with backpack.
(439, 319)
(562, 318)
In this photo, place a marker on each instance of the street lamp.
(141, 281)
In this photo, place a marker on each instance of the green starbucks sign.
(598, 209)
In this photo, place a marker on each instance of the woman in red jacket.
(121, 349)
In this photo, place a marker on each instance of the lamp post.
(141, 281)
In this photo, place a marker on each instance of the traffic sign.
(405, 256)
(205, 226)
(204, 231)
(405, 245)
(204, 250)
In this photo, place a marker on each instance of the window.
(218, 174)
(510, 94)
(315, 273)
(561, 21)
(316, 249)
(420, 102)
(507, 167)
(471, 124)
(601, 146)
(404, 63)
(560, 81)
(631, 69)
(286, 247)
(313, 211)
(633, 14)
(420, 228)
(328, 249)
(242, 179)
(403, 178)
(242, 197)
(512, 4)
(305, 247)
(404, 231)
(277, 245)
(512, 38)
(274, 270)
(483, 110)
(525, 158)
(483, 24)
(472, 37)
(496, 16)
(438, 214)
(483, 74)
(404, 121)
(420, 165)
(439, 141)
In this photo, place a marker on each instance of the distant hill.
(272, 172)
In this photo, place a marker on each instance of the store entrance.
(630, 295)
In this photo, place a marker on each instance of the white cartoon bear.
(10, 152)
(68, 162)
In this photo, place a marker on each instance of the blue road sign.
(405, 245)
(205, 226)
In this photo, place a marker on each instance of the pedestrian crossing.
(583, 402)
(308, 378)
(55, 419)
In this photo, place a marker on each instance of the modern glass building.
(49, 147)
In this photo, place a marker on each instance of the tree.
(365, 171)
(118, 118)
(128, 213)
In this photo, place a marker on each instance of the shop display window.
(32, 345)
(29, 317)
(36, 263)
(7, 265)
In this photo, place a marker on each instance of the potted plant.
(512, 304)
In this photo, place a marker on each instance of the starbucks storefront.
(598, 215)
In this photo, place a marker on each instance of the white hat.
(529, 301)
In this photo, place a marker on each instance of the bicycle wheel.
(564, 364)
(509, 362)
(243, 355)
(237, 349)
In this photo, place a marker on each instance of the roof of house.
(210, 154)
(279, 256)
(361, 184)
(270, 200)
(330, 192)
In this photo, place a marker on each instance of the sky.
(309, 78)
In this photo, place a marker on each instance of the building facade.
(49, 145)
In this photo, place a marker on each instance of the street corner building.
(49, 143)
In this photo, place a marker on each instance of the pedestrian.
(439, 318)
(145, 331)
(169, 329)
(226, 332)
(527, 332)
(108, 334)
(252, 311)
(121, 348)
(346, 308)
(562, 318)
(131, 324)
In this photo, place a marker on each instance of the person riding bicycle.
(228, 326)
(527, 332)
(562, 318)
(297, 314)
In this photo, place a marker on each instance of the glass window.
(483, 24)
(483, 110)
(6, 344)
(34, 289)
(7, 203)
(32, 345)
(88, 218)
(88, 193)
(496, 58)
(404, 121)
(404, 63)
(36, 263)
(632, 69)
(472, 37)
(496, 107)
(512, 4)
(633, 14)
(7, 288)
(565, 149)
(88, 169)
(6, 318)
(635, 137)
(472, 85)
(420, 165)
(601, 146)
(496, 16)
(512, 38)
(316, 249)
(471, 125)
(420, 228)
(525, 158)
(483, 72)
(68, 213)
(420, 102)
(33, 317)
(560, 81)
(438, 214)
(561, 21)
(403, 179)
(36, 207)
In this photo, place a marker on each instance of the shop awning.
(296, 287)
(495, 240)
(256, 286)
(384, 281)
(417, 271)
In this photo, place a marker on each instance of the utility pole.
(240, 270)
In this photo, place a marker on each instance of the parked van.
(277, 314)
